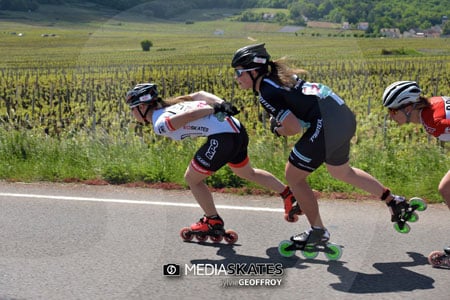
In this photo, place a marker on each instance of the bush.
(146, 45)
(225, 178)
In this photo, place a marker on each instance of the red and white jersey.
(205, 126)
(436, 119)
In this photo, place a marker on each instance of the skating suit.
(205, 126)
(329, 123)
(436, 119)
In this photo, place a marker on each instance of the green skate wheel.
(406, 228)
(309, 252)
(413, 217)
(334, 251)
(419, 203)
(282, 248)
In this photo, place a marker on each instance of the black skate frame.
(212, 232)
(406, 216)
(319, 247)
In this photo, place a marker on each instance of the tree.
(146, 45)
(446, 28)
(19, 5)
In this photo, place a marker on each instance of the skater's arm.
(289, 125)
(179, 120)
(443, 123)
(441, 127)
(207, 97)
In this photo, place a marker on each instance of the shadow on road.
(393, 276)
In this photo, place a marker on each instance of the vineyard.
(63, 116)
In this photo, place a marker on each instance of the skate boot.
(403, 211)
(310, 243)
(291, 208)
(211, 227)
(440, 259)
(311, 237)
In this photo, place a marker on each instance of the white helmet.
(401, 93)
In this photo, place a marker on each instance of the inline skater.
(405, 104)
(296, 105)
(202, 114)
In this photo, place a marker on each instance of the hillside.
(377, 13)
(73, 13)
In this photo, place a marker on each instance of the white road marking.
(124, 201)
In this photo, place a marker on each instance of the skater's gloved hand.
(274, 124)
(225, 107)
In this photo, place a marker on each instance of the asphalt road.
(72, 241)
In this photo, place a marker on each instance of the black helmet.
(142, 93)
(251, 56)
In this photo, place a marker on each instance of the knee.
(246, 172)
(296, 179)
(190, 178)
(291, 181)
(187, 177)
(295, 176)
(340, 172)
(444, 190)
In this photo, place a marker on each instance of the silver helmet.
(401, 93)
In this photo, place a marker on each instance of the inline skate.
(310, 243)
(211, 227)
(291, 208)
(404, 211)
(440, 259)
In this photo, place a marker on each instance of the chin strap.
(408, 117)
(255, 92)
(273, 69)
(408, 114)
(143, 115)
(254, 83)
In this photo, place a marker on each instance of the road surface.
(74, 241)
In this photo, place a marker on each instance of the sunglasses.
(393, 111)
(239, 72)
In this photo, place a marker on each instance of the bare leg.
(358, 178)
(296, 179)
(259, 176)
(200, 190)
(444, 188)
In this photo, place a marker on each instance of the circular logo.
(171, 270)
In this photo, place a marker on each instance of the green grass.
(72, 86)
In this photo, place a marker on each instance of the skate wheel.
(435, 258)
(334, 251)
(405, 229)
(185, 234)
(231, 236)
(418, 203)
(216, 238)
(201, 237)
(414, 217)
(309, 252)
(282, 248)
(291, 220)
